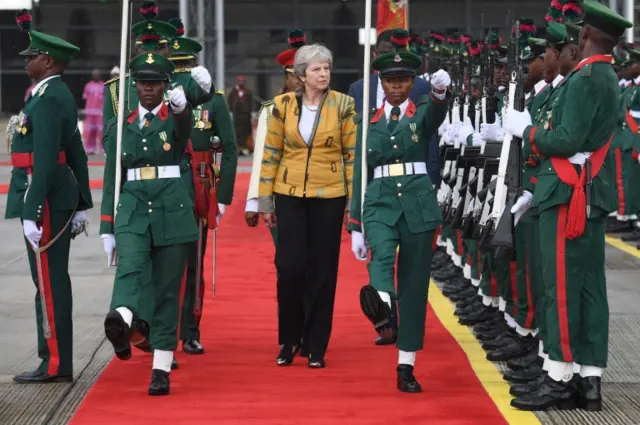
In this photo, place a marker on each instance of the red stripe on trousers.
(561, 285)
(528, 323)
(52, 343)
(619, 181)
(494, 286)
(460, 246)
(513, 272)
(183, 286)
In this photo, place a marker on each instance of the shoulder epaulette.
(115, 79)
(423, 99)
(220, 92)
(181, 70)
(585, 71)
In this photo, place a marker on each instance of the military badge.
(397, 58)
(163, 136)
(176, 45)
(414, 136)
(150, 59)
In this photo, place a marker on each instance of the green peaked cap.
(399, 63)
(556, 35)
(151, 67)
(183, 48)
(606, 20)
(52, 46)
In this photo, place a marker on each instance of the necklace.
(311, 109)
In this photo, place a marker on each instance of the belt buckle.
(396, 170)
(147, 173)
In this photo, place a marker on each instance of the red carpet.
(93, 184)
(237, 381)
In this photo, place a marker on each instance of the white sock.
(126, 314)
(162, 360)
(576, 368)
(450, 249)
(523, 331)
(475, 282)
(385, 297)
(466, 271)
(487, 300)
(406, 357)
(587, 371)
(545, 364)
(510, 321)
(457, 260)
(560, 371)
(502, 305)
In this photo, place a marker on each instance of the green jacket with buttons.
(388, 198)
(163, 205)
(48, 125)
(580, 116)
(531, 163)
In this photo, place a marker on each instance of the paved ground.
(92, 283)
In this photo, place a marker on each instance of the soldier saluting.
(155, 220)
(574, 195)
(49, 192)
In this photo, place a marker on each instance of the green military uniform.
(634, 169)
(155, 214)
(211, 119)
(400, 209)
(49, 183)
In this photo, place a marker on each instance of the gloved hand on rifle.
(466, 130)
(521, 206)
(515, 122)
(492, 131)
(202, 77)
(451, 133)
(443, 127)
(359, 246)
(440, 81)
(177, 100)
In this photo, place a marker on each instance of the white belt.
(152, 173)
(580, 158)
(399, 169)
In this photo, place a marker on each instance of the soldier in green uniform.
(49, 192)
(400, 205)
(212, 121)
(155, 221)
(574, 196)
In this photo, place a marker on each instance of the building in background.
(255, 32)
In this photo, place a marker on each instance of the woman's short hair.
(311, 53)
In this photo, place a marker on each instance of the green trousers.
(576, 310)
(488, 284)
(473, 258)
(57, 351)
(190, 321)
(505, 275)
(527, 249)
(136, 253)
(414, 272)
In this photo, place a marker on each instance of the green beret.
(599, 16)
(556, 35)
(151, 67)
(399, 63)
(45, 44)
(183, 48)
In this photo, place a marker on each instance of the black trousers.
(307, 256)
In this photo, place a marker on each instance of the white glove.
(109, 244)
(477, 140)
(443, 127)
(202, 77)
(178, 100)
(490, 131)
(358, 246)
(221, 210)
(79, 222)
(441, 80)
(32, 232)
(466, 129)
(515, 122)
(452, 132)
(522, 205)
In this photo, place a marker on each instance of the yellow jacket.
(323, 169)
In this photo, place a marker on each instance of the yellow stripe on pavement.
(622, 246)
(486, 371)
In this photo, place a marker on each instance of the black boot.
(482, 315)
(523, 375)
(520, 347)
(470, 291)
(520, 389)
(618, 226)
(159, 382)
(406, 381)
(589, 393)
(496, 322)
(526, 361)
(505, 338)
(118, 332)
(469, 301)
(469, 308)
(635, 236)
(192, 346)
(549, 394)
(488, 335)
(447, 273)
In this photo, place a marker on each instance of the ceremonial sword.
(216, 147)
(197, 306)
(46, 329)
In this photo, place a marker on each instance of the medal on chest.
(21, 126)
(166, 146)
(414, 137)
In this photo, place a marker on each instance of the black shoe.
(589, 393)
(469, 308)
(468, 292)
(504, 338)
(469, 301)
(520, 347)
(550, 394)
(37, 377)
(453, 287)
(520, 389)
(139, 335)
(406, 381)
(526, 361)
(117, 332)
(174, 364)
(316, 362)
(159, 382)
(377, 311)
(287, 353)
(619, 227)
(191, 346)
(385, 341)
(523, 375)
(483, 315)
(635, 236)
(497, 322)
(447, 273)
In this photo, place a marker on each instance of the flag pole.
(124, 42)
(365, 102)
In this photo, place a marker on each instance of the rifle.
(509, 173)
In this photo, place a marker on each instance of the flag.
(392, 14)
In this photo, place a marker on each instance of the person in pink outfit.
(94, 100)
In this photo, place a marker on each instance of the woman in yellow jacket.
(305, 181)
